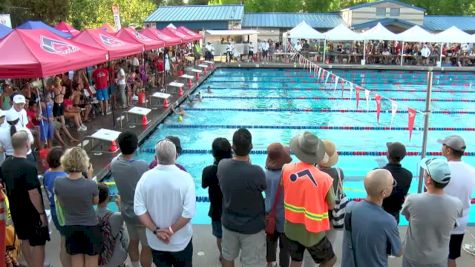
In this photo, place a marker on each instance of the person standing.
(76, 196)
(432, 216)
(127, 172)
(221, 149)
(101, 81)
(23, 188)
(460, 186)
(165, 203)
(371, 234)
(277, 156)
(393, 203)
(18, 107)
(121, 85)
(308, 196)
(242, 184)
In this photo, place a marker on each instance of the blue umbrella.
(4, 31)
(41, 25)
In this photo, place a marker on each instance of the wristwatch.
(155, 231)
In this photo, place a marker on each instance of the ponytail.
(13, 124)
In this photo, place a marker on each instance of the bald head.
(378, 181)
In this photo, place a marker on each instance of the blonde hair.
(75, 160)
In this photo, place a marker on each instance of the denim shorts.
(102, 94)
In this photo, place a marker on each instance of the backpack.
(109, 240)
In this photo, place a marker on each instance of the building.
(394, 15)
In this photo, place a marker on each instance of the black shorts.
(455, 246)
(321, 252)
(82, 239)
(251, 53)
(58, 109)
(177, 259)
(34, 233)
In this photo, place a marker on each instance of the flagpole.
(426, 125)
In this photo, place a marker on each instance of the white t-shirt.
(461, 186)
(135, 61)
(6, 139)
(166, 193)
(121, 81)
(425, 52)
(22, 115)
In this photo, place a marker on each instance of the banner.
(393, 111)
(378, 106)
(336, 83)
(357, 88)
(410, 124)
(328, 76)
(115, 12)
(342, 87)
(351, 90)
(366, 94)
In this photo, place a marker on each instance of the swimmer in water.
(209, 90)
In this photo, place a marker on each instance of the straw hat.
(308, 147)
(331, 155)
(277, 156)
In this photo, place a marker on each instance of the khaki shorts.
(252, 247)
(137, 232)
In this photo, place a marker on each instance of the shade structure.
(156, 34)
(115, 47)
(189, 32)
(41, 53)
(342, 33)
(66, 28)
(132, 36)
(379, 32)
(304, 31)
(416, 34)
(36, 24)
(4, 31)
(454, 35)
(108, 28)
(173, 32)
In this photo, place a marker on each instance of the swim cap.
(180, 118)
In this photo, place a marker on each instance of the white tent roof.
(454, 35)
(342, 33)
(304, 31)
(379, 32)
(416, 34)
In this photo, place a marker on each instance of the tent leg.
(402, 53)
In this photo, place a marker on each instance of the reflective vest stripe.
(310, 215)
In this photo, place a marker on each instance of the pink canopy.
(173, 32)
(64, 27)
(132, 36)
(108, 28)
(41, 53)
(189, 32)
(157, 35)
(100, 39)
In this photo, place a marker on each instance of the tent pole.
(364, 51)
(426, 126)
(324, 50)
(402, 52)
(112, 98)
(440, 52)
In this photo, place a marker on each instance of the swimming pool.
(276, 104)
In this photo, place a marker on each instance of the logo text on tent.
(110, 41)
(57, 47)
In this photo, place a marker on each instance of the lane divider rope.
(331, 89)
(405, 99)
(322, 110)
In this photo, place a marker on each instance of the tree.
(175, 2)
(49, 11)
(198, 2)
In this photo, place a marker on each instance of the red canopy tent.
(108, 28)
(100, 39)
(41, 53)
(156, 34)
(189, 32)
(132, 36)
(64, 27)
(173, 32)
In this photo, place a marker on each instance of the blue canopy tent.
(41, 25)
(4, 31)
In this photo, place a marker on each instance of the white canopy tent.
(454, 35)
(379, 32)
(304, 31)
(340, 33)
(416, 34)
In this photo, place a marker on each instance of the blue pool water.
(279, 103)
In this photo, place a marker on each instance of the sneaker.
(81, 129)
(84, 126)
(469, 248)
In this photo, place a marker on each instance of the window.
(394, 12)
(381, 11)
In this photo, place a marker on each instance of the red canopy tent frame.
(41, 53)
(184, 30)
(132, 36)
(65, 27)
(173, 32)
(116, 47)
(158, 35)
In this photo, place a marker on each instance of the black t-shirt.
(209, 180)
(20, 176)
(403, 177)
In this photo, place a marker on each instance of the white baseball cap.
(19, 99)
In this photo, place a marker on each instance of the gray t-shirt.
(75, 197)
(273, 183)
(374, 236)
(127, 174)
(242, 185)
(431, 218)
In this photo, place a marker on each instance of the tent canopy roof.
(36, 24)
(66, 28)
(41, 53)
(342, 33)
(158, 35)
(379, 32)
(454, 35)
(189, 32)
(304, 31)
(4, 30)
(184, 37)
(132, 36)
(416, 34)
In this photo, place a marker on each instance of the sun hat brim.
(312, 158)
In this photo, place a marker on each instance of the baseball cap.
(453, 141)
(396, 150)
(438, 169)
(19, 99)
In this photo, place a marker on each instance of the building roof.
(290, 20)
(441, 23)
(197, 13)
(383, 1)
(384, 22)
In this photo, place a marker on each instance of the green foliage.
(175, 2)
(198, 2)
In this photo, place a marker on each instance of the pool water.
(276, 104)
